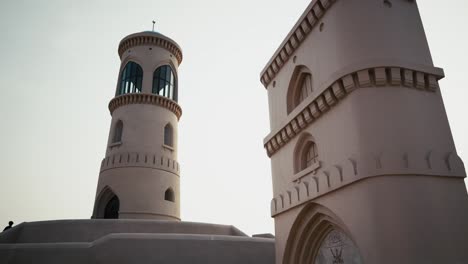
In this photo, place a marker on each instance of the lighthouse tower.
(139, 177)
(364, 166)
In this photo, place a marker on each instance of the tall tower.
(364, 165)
(139, 177)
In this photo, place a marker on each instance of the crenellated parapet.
(353, 169)
(298, 34)
(150, 39)
(144, 160)
(313, 108)
(141, 98)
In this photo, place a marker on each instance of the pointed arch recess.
(300, 87)
(313, 224)
(106, 199)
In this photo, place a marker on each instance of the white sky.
(59, 68)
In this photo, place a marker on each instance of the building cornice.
(309, 19)
(150, 39)
(142, 98)
(313, 108)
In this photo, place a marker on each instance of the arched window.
(107, 205)
(169, 195)
(130, 79)
(309, 155)
(168, 135)
(300, 87)
(118, 131)
(165, 83)
(305, 153)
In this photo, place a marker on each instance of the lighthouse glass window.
(164, 82)
(131, 79)
(338, 248)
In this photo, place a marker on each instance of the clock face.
(338, 248)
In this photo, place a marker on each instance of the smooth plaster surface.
(141, 187)
(131, 241)
(412, 205)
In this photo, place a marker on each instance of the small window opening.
(118, 130)
(168, 135)
(169, 195)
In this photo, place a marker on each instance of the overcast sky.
(59, 68)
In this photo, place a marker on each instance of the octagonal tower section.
(139, 177)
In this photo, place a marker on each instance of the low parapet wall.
(146, 249)
(131, 241)
(90, 230)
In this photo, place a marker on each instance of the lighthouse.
(139, 176)
(136, 216)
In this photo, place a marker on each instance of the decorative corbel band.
(418, 163)
(298, 34)
(371, 77)
(155, 40)
(140, 98)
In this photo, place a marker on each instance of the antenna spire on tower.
(154, 22)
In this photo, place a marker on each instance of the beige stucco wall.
(356, 33)
(371, 121)
(141, 192)
(397, 219)
(388, 169)
(131, 241)
(140, 168)
(143, 130)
